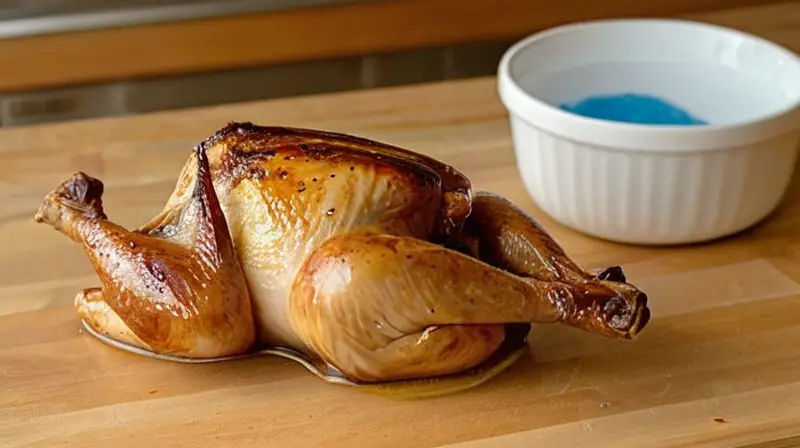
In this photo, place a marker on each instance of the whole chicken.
(367, 262)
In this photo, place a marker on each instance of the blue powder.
(632, 108)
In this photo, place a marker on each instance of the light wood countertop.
(719, 364)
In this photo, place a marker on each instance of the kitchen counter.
(40, 17)
(719, 364)
(61, 47)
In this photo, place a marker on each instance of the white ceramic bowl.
(654, 184)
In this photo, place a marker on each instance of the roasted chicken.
(374, 261)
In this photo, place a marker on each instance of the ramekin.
(654, 184)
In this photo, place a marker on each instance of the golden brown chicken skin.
(373, 259)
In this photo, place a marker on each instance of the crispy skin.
(374, 259)
(187, 297)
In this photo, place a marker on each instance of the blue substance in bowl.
(632, 108)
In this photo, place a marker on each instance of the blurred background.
(71, 59)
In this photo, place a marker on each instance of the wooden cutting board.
(719, 365)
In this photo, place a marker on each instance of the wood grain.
(324, 32)
(719, 365)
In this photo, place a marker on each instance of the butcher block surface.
(719, 364)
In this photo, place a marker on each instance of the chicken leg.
(506, 237)
(184, 296)
(380, 307)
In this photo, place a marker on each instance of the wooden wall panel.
(295, 35)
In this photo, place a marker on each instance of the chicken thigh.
(375, 261)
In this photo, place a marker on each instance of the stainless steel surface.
(37, 17)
